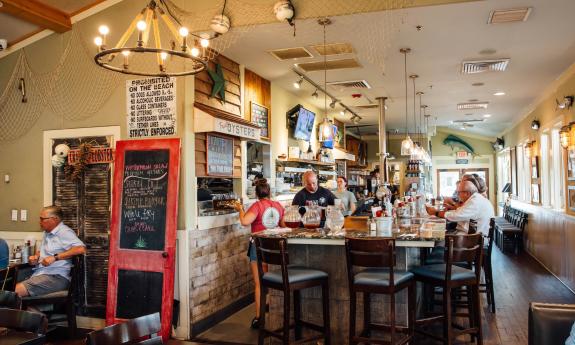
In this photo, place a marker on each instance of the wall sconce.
(566, 103)
(530, 148)
(565, 136)
(535, 125)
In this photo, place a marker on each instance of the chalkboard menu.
(145, 190)
(220, 155)
(134, 287)
(260, 116)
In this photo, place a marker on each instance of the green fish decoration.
(219, 87)
(452, 141)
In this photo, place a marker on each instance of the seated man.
(59, 244)
(475, 206)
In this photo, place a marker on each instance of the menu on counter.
(151, 107)
(220, 155)
(260, 117)
(144, 195)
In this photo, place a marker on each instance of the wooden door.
(143, 238)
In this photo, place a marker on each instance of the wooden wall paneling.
(258, 90)
(203, 87)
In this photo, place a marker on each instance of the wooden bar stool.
(273, 251)
(449, 276)
(377, 257)
(487, 267)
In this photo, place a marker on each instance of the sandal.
(255, 323)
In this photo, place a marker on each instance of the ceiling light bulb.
(283, 10)
(342, 113)
(204, 42)
(163, 55)
(499, 93)
(103, 29)
(98, 41)
(141, 25)
(184, 31)
(125, 52)
(195, 51)
(487, 116)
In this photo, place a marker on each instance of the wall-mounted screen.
(304, 125)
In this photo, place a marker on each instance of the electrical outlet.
(23, 215)
(14, 215)
(6, 178)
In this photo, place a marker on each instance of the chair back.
(490, 238)
(472, 228)
(10, 299)
(151, 341)
(370, 252)
(463, 248)
(130, 331)
(22, 320)
(272, 251)
(8, 278)
(550, 324)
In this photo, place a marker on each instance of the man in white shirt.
(475, 206)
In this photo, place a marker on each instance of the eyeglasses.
(44, 218)
(462, 191)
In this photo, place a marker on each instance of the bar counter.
(326, 252)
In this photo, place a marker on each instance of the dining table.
(14, 337)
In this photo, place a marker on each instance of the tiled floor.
(518, 281)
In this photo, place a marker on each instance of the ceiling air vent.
(333, 49)
(474, 105)
(329, 65)
(510, 15)
(479, 66)
(350, 84)
(290, 53)
(467, 121)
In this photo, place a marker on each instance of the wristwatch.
(56, 257)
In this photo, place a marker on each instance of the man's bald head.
(310, 181)
(465, 190)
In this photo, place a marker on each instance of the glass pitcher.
(334, 219)
(312, 217)
(292, 218)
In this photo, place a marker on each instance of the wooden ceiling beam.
(38, 13)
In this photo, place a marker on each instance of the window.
(545, 186)
(557, 177)
(503, 169)
(521, 172)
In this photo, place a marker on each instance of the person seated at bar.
(454, 203)
(59, 245)
(347, 198)
(263, 214)
(4, 254)
(475, 206)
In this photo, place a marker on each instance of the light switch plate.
(6, 178)
(23, 215)
(14, 215)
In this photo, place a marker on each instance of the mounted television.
(304, 124)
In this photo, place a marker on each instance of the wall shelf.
(306, 161)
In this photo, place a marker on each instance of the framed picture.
(571, 163)
(260, 116)
(219, 155)
(339, 139)
(535, 188)
(571, 198)
(534, 167)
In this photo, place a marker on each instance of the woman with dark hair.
(347, 198)
(263, 214)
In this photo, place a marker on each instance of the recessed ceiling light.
(487, 116)
(499, 93)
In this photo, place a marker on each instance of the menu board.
(260, 116)
(220, 155)
(144, 194)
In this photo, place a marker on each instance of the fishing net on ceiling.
(76, 88)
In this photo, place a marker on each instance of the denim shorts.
(252, 251)
(44, 284)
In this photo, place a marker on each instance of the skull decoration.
(57, 161)
(62, 150)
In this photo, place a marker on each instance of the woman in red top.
(263, 214)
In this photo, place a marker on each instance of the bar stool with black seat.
(377, 258)
(289, 279)
(450, 276)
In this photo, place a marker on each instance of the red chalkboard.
(143, 230)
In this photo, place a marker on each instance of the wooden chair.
(449, 276)
(273, 251)
(488, 268)
(10, 299)
(22, 320)
(377, 257)
(151, 341)
(129, 332)
(67, 298)
(8, 278)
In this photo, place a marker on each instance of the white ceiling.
(540, 49)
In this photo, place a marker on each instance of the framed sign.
(219, 155)
(534, 167)
(143, 230)
(571, 199)
(571, 163)
(260, 116)
(339, 139)
(535, 195)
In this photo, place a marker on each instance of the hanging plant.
(74, 171)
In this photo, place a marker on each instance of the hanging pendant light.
(325, 128)
(416, 148)
(407, 143)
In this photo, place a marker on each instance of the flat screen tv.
(304, 125)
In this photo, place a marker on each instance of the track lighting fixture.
(332, 104)
(297, 84)
(315, 94)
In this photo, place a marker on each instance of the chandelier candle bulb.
(98, 41)
(204, 42)
(195, 52)
(103, 30)
(126, 54)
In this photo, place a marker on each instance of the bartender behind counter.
(313, 192)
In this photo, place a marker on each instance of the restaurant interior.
(439, 133)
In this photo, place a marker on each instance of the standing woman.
(347, 198)
(263, 214)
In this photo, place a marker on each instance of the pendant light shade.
(406, 146)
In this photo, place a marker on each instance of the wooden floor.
(518, 281)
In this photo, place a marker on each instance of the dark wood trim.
(38, 13)
(224, 115)
(219, 316)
